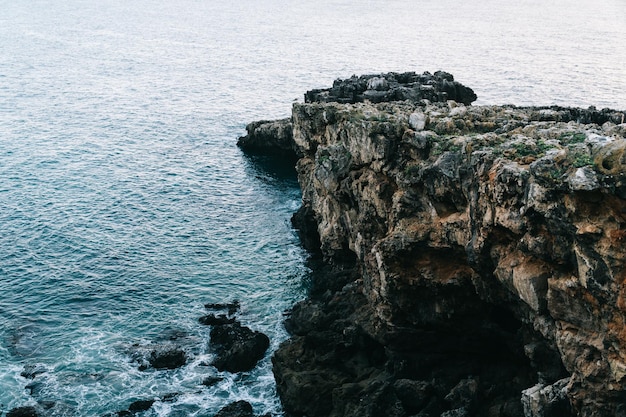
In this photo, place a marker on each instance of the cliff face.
(478, 262)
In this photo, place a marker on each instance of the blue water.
(125, 204)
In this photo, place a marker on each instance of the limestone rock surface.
(480, 258)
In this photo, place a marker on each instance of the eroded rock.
(488, 248)
(378, 88)
(238, 348)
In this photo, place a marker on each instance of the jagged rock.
(238, 348)
(547, 400)
(211, 380)
(487, 242)
(213, 320)
(268, 137)
(236, 409)
(34, 388)
(31, 371)
(439, 86)
(167, 358)
(414, 395)
(140, 405)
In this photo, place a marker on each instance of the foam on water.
(125, 204)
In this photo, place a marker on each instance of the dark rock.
(231, 307)
(167, 358)
(268, 138)
(463, 395)
(370, 398)
(211, 380)
(171, 397)
(305, 224)
(140, 405)
(34, 388)
(378, 88)
(213, 320)
(238, 348)
(236, 409)
(414, 395)
(31, 371)
(457, 412)
(27, 411)
(46, 404)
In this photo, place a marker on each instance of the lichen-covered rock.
(489, 248)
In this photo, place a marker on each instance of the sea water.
(125, 205)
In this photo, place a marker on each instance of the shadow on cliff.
(275, 170)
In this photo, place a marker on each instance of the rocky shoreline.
(469, 259)
(236, 349)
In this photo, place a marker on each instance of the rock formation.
(237, 348)
(276, 136)
(473, 262)
(378, 88)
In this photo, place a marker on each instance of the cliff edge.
(473, 261)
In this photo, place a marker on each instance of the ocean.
(125, 204)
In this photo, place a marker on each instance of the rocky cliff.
(473, 262)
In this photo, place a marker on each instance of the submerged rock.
(211, 380)
(231, 307)
(27, 411)
(168, 359)
(31, 371)
(213, 320)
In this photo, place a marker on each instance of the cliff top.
(567, 147)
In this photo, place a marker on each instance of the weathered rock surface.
(268, 137)
(378, 88)
(479, 261)
(275, 137)
(238, 348)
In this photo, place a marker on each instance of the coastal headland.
(469, 260)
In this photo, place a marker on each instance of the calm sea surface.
(125, 204)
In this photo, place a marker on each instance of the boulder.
(378, 88)
(31, 371)
(167, 358)
(236, 409)
(268, 137)
(26, 411)
(238, 348)
(211, 380)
